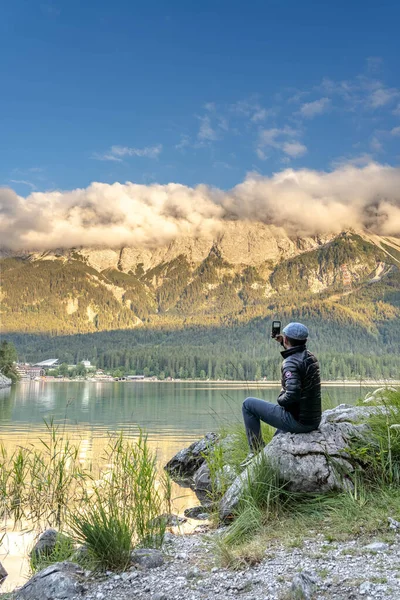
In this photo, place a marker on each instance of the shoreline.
(242, 383)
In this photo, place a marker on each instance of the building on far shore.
(27, 371)
(50, 363)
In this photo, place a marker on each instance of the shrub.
(122, 508)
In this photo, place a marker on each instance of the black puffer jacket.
(301, 386)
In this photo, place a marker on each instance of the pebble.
(191, 573)
(377, 547)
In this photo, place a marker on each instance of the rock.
(194, 573)
(159, 596)
(196, 512)
(148, 558)
(203, 516)
(202, 479)
(46, 543)
(169, 519)
(303, 585)
(5, 382)
(377, 547)
(309, 462)
(3, 573)
(365, 588)
(204, 486)
(393, 524)
(186, 462)
(58, 582)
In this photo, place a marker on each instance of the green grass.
(122, 510)
(268, 514)
(111, 509)
(63, 550)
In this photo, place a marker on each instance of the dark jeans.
(255, 410)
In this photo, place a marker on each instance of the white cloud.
(106, 156)
(397, 110)
(184, 142)
(382, 96)
(294, 149)
(376, 144)
(395, 131)
(304, 202)
(260, 115)
(206, 131)
(278, 138)
(252, 109)
(147, 152)
(116, 153)
(24, 182)
(312, 109)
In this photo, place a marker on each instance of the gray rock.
(393, 524)
(196, 512)
(365, 588)
(308, 462)
(148, 558)
(46, 543)
(3, 573)
(5, 382)
(169, 519)
(159, 596)
(57, 582)
(193, 573)
(202, 480)
(186, 462)
(377, 547)
(303, 585)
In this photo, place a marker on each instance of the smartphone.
(276, 328)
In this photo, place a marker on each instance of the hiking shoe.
(247, 460)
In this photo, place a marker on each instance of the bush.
(122, 510)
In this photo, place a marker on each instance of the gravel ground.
(344, 571)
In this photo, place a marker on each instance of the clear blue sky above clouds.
(194, 92)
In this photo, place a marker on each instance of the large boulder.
(309, 462)
(58, 582)
(186, 462)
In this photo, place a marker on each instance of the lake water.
(172, 414)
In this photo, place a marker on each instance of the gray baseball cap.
(296, 331)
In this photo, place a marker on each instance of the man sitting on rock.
(299, 403)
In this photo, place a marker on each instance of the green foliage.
(110, 509)
(8, 356)
(63, 550)
(380, 456)
(210, 320)
(268, 511)
(124, 509)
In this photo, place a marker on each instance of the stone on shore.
(5, 382)
(316, 462)
(58, 582)
(148, 558)
(186, 462)
(47, 543)
(3, 573)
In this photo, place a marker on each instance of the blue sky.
(194, 92)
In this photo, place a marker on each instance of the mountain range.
(346, 287)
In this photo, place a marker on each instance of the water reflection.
(173, 415)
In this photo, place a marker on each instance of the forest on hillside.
(209, 320)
